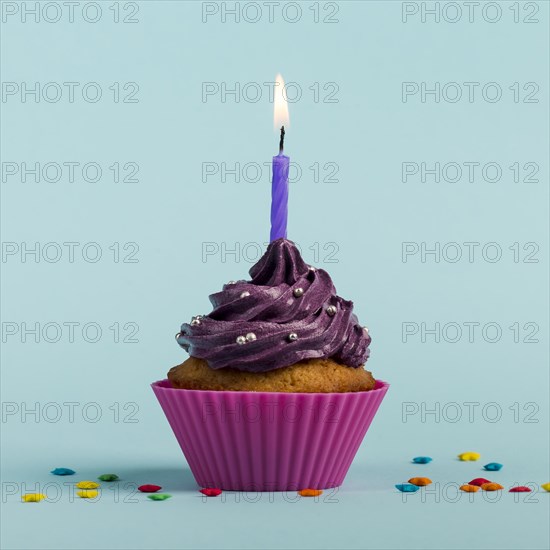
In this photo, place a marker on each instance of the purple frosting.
(288, 312)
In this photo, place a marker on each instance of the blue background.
(362, 219)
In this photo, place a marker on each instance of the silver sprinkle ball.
(245, 294)
(298, 292)
(195, 322)
(250, 337)
(240, 340)
(331, 310)
(292, 337)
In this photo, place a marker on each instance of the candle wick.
(282, 141)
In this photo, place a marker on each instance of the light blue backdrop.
(165, 239)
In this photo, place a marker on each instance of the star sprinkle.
(63, 472)
(211, 492)
(520, 489)
(420, 481)
(108, 477)
(310, 492)
(493, 466)
(469, 456)
(407, 487)
(422, 459)
(492, 487)
(88, 493)
(468, 488)
(33, 497)
(546, 486)
(159, 496)
(149, 488)
(479, 481)
(87, 485)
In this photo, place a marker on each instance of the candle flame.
(280, 105)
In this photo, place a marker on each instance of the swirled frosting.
(287, 312)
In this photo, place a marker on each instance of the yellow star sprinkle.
(469, 456)
(33, 497)
(88, 493)
(546, 486)
(87, 485)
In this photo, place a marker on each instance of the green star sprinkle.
(108, 477)
(159, 496)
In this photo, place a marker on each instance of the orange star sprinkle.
(310, 492)
(469, 488)
(420, 481)
(492, 487)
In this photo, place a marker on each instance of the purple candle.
(279, 192)
(281, 163)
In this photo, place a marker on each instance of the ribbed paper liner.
(259, 441)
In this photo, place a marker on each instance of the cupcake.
(274, 394)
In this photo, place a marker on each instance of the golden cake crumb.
(309, 376)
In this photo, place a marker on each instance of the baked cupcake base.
(309, 376)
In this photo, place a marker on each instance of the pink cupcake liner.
(260, 441)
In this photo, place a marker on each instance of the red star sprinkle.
(149, 488)
(211, 492)
(521, 489)
(479, 481)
